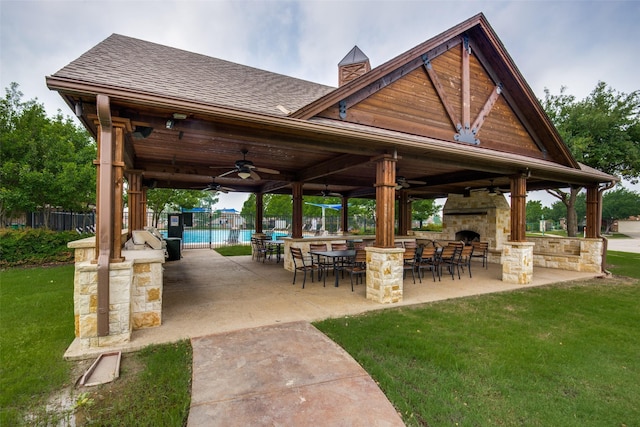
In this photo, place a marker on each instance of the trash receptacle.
(173, 248)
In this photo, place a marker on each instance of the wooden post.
(118, 189)
(385, 200)
(345, 214)
(593, 213)
(404, 213)
(518, 208)
(259, 212)
(136, 208)
(296, 225)
(104, 211)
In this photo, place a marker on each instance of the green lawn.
(36, 327)
(564, 354)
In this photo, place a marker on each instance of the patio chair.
(427, 260)
(320, 260)
(409, 263)
(481, 250)
(464, 260)
(342, 262)
(358, 267)
(264, 250)
(448, 258)
(304, 265)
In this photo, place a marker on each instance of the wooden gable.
(430, 101)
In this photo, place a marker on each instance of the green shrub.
(35, 246)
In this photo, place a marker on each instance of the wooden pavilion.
(450, 116)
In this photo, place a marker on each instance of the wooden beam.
(338, 164)
(385, 201)
(593, 213)
(259, 212)
(296, 226)
(455, 121)
(466, 87)
(486, 109)
(518, 208)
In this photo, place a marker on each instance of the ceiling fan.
(492, 189)
(402, 182)
(327, 193)
(246, 169)
(215, 187)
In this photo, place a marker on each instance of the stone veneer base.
(384, 274)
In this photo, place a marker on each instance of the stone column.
(517, 262)
(384, 274)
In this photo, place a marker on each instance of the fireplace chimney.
(352, 66)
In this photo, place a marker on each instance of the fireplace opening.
(467, 236)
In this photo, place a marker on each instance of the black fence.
(209, 230)
(60, 221)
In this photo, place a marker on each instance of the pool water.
(219, 236)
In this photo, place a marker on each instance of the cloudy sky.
(553, 43)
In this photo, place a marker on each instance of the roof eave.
(291, 124)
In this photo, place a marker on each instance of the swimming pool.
(218, 237)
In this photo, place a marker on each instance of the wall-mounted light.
(78, 108)
(170, 124)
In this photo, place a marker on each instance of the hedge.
(35, 246)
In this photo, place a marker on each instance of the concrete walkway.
(282, 375)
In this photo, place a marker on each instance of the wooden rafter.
(442, 94)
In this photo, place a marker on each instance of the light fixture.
(170, 124)
(179, 116)
(244, 173)
(78, 108)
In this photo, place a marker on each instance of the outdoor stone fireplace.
(481, 216)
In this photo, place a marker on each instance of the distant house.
(229, 218)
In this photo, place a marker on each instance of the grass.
(565, 354)
(36, 327)
(235, 250)
(154, 390)
(36, 321)
(624, 263)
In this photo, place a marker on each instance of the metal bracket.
(426, 61)
(342, 105)
(465, 41)
(466, 135)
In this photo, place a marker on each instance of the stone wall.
(564, 253)
(135, 294)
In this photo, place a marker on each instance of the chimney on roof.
(352, 66)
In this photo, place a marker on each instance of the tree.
(619, 204)
(422, 210)
(602, 131)
(47, 163)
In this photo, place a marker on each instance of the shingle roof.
(133, 64)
